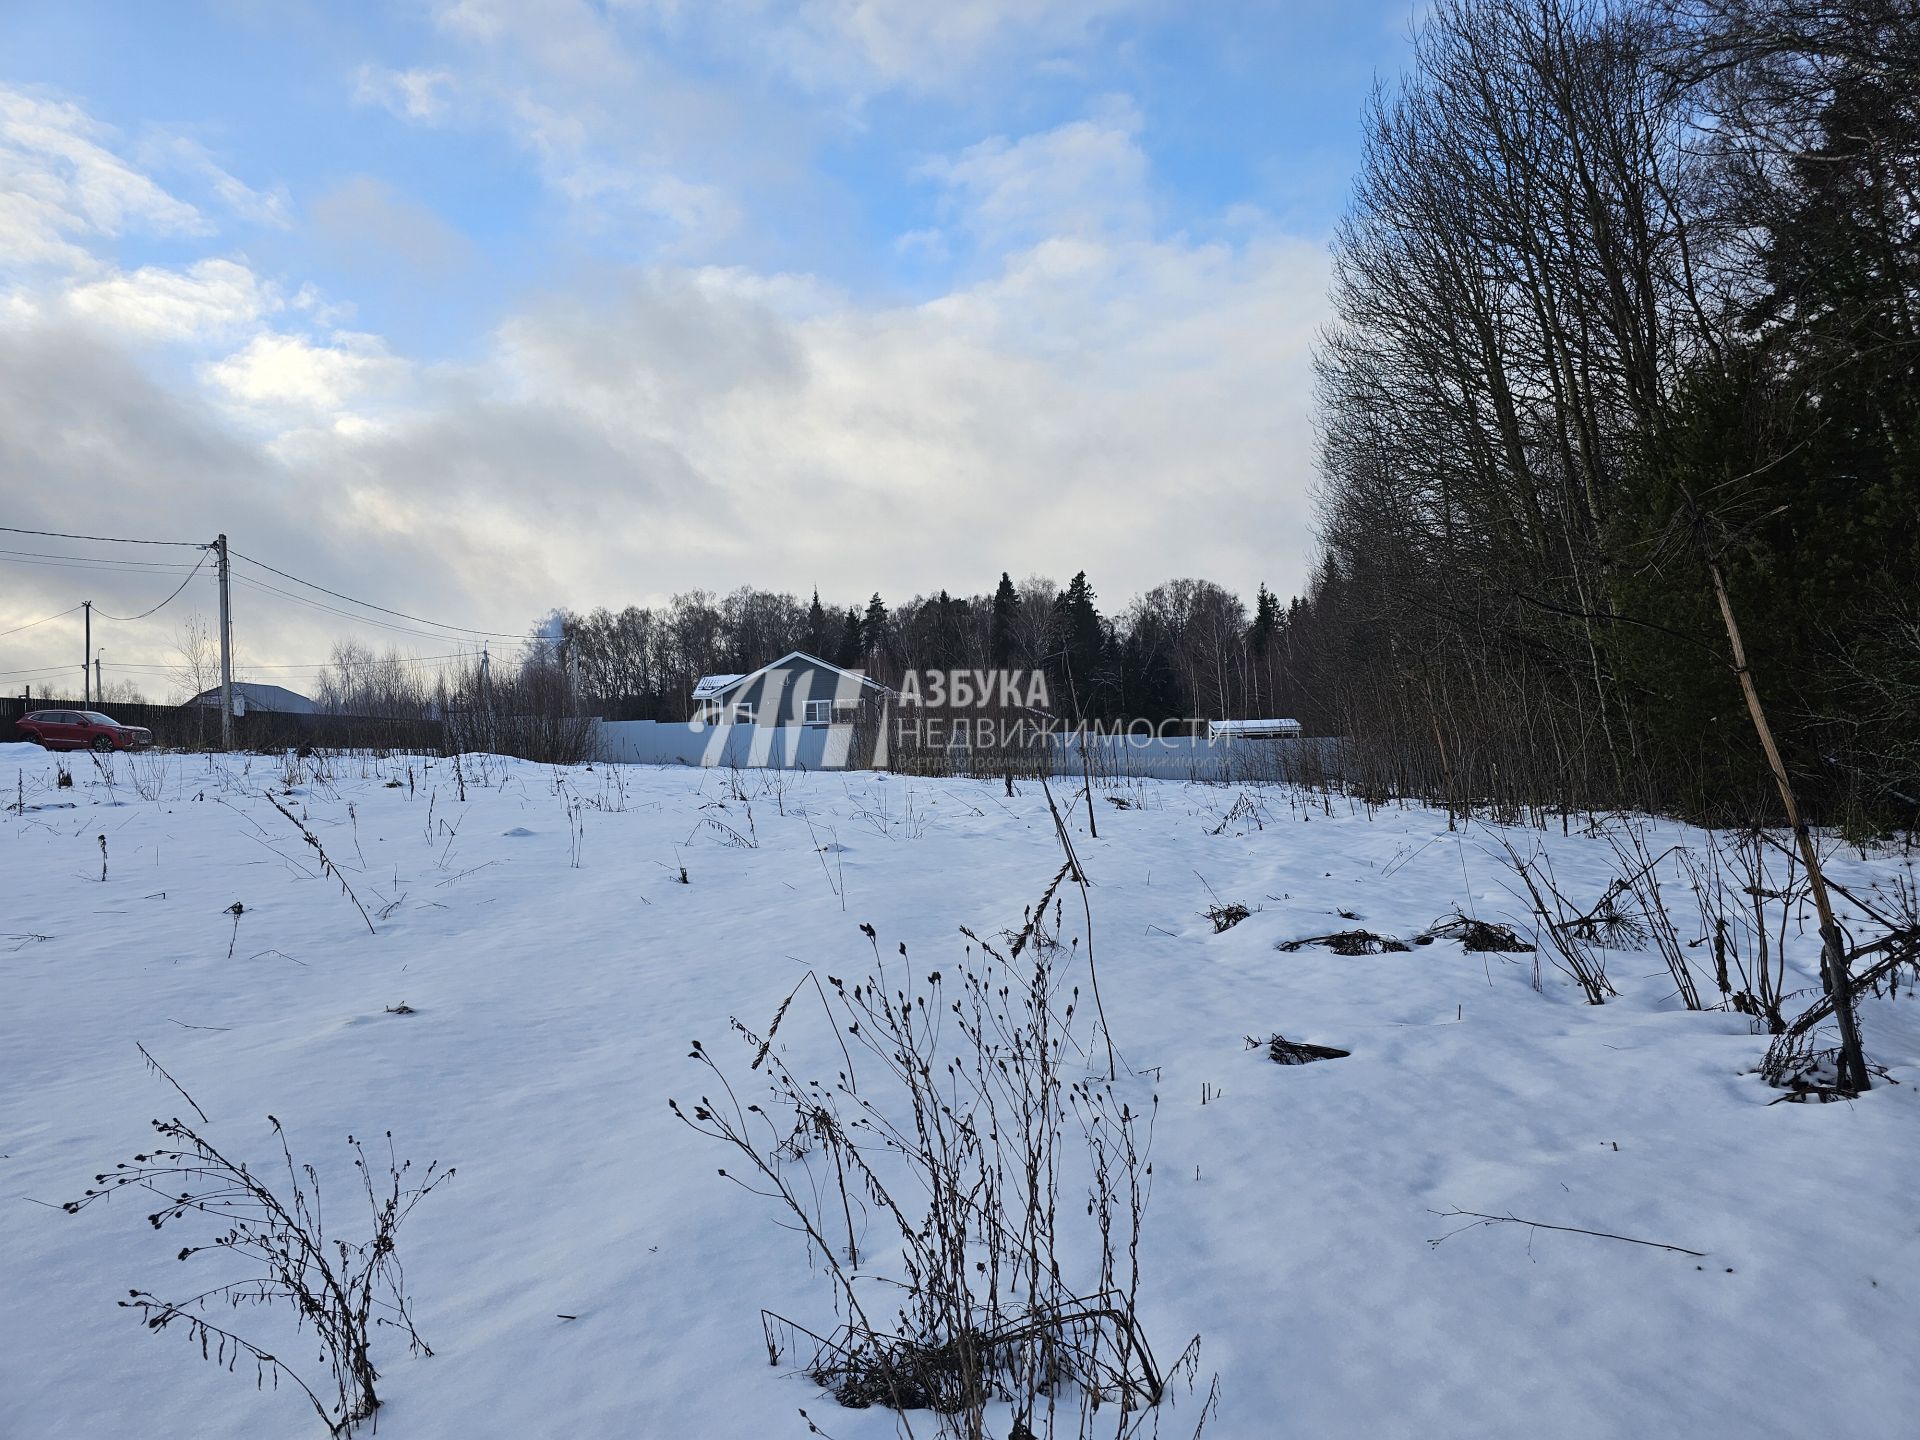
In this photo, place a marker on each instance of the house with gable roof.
(796, 689)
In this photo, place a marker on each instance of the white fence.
(828, 747)
(754, 747)
(1219, 759)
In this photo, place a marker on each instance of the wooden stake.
(1853, 1062)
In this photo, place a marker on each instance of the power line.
(96, 559)
(368, 604)
(360, 619)
(375, 662)
(55, 559)
(31, 623)
(152, 668)
(103, 539)
(167, 667)
(127, 567)
(469, 635)
(123, 619)
(317, 664)
(321, 605)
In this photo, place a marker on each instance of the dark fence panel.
(197, 727)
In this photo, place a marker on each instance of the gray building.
(796, 689)
(249, 695)
(1254, 729)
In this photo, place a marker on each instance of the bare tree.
(196, 666)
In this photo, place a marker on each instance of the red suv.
(80, 730)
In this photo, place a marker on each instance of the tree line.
(1184, 649)
(1623, 372)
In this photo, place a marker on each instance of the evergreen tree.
(874, 629)
(848, 654)
(1800, 443)
(1082, 668)
(816, 627)
(1260, 634)
(1266, 619)
(949, 632)
(1006, 606)
(1150, 687)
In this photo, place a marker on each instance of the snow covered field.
(556, 971)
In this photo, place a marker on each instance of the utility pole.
(226, 649)
(486, 696)
(86, 676)
(99, 685)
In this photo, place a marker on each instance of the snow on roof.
(258, 696)
(711, 685)
(1254, 727)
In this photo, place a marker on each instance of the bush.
(958, 1123)
(343, 1290)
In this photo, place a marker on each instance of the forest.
(1619, 432)
(1621, 373)
(1620, 390)
(1185, 649)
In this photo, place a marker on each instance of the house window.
(819, 712)
(743, 714)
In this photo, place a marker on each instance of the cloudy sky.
(474, 308)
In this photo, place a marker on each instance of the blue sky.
(484, 306)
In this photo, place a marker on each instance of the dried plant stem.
(161, 1070)
(1477, 1220)
(326, 865)
(1833, 956)
(1080, 879)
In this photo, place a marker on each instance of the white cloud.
(32, 228)
(929, 243)
(1101, 394)
(610, 186)
(418, 94)
(1140, 405)
(573, 41)
(674, 155)
(1134, 406)
(320, 310)
(852, 48)
(58, 182)
(208, 298)
(292, 380)
(861, 47)
(257, 207)
(1084, 178)
(670, 153)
